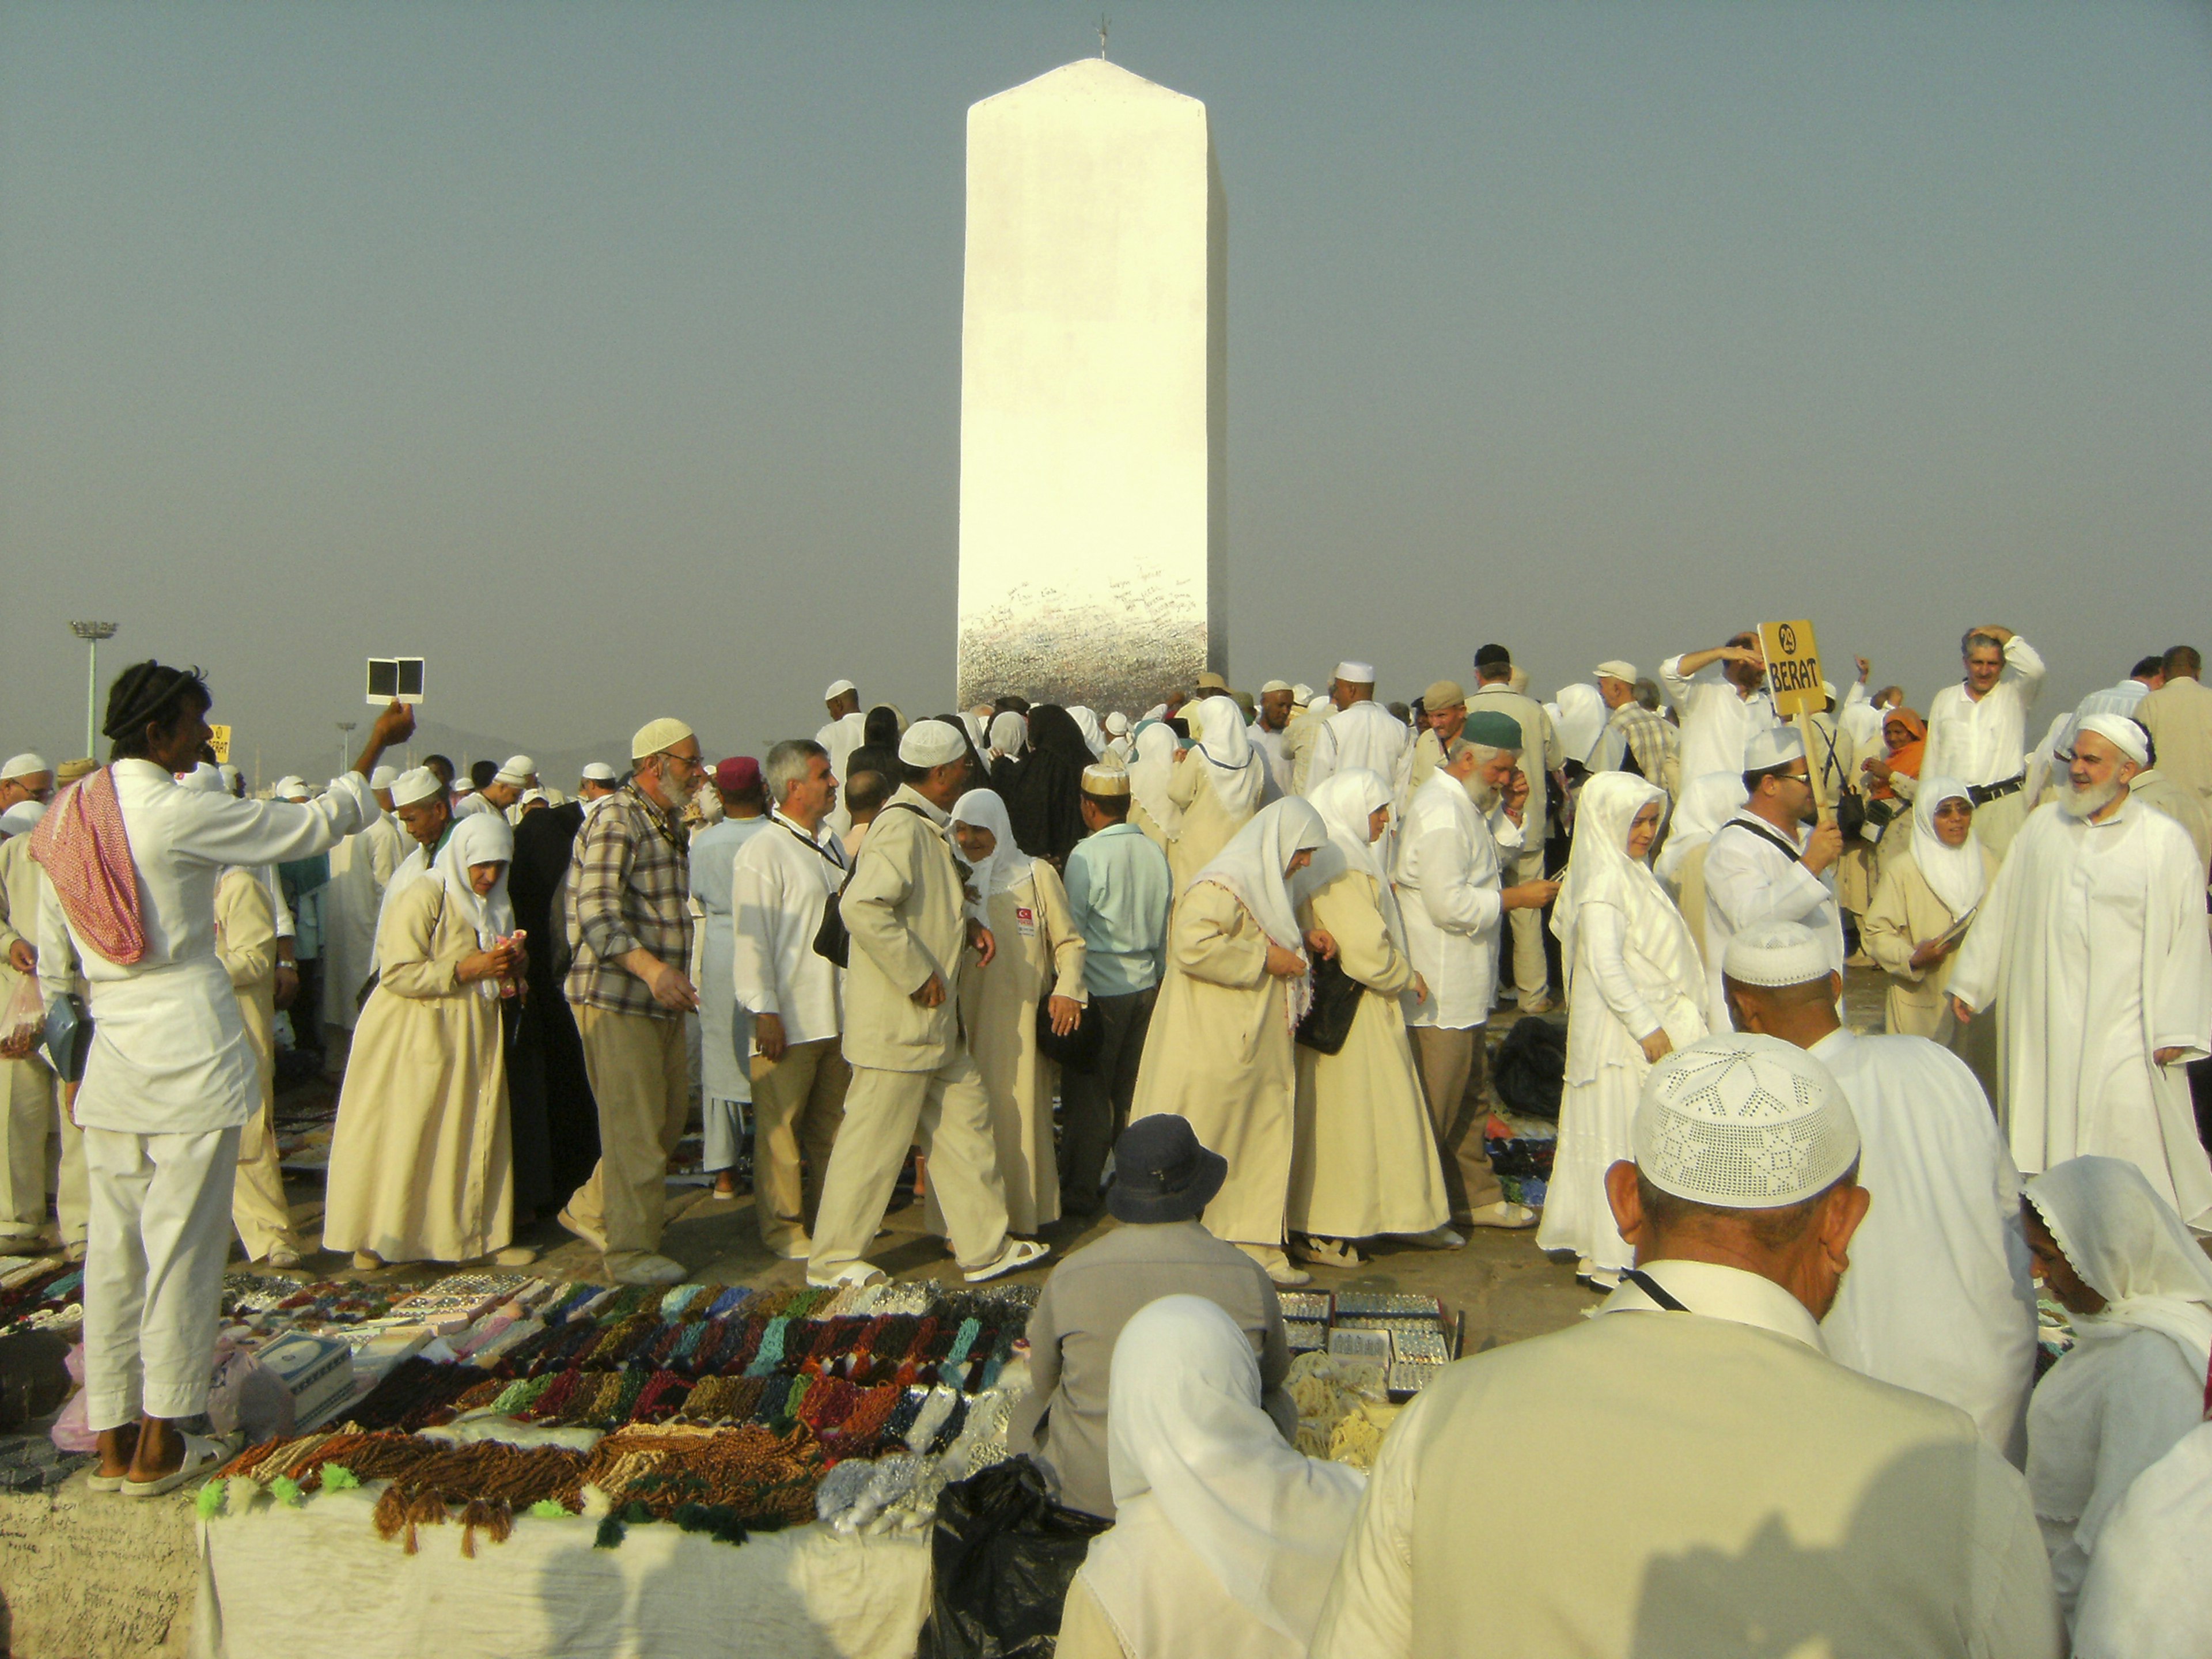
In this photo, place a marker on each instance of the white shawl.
(1151, 772)
(1224, 747)
(1599, 872)
(2130, 1247)
(1008, 863)
(1958, 876)
(1345, 800)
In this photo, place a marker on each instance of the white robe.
(2149, 1593)
(361, 866)
(840, 736)
(2092, 946)
(1749, 879)
(1938, 1298)
(1449, 877)
(1366, 735)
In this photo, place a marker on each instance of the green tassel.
(637, 1515)
(610, 1534)
(546, 1509)
(210, 1499)
(337, 1477)
(286, 1491)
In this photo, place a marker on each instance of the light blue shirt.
(1119, 889)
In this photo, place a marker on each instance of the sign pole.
(1819, 800)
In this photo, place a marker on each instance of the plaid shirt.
(628, 886)
(1651, 740)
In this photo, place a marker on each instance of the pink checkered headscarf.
(85, 852)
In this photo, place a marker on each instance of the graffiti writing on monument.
(1126, 649)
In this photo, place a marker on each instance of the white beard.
(2086, 803)
(1485, 796)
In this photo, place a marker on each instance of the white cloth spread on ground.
(2091, 946)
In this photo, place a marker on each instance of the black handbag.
(1078, 1050)
(833, 940)
(1327, 1024)
(68, 1037)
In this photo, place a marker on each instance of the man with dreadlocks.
(132, 861)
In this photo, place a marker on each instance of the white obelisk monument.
(1093, 393)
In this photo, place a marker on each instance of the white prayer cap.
(1103, 779)
(419, 785)
(516, 771)
(1117, 725)
(1613, 669)
(1743, 1122)
(205, 780)
(1775, 953)
(1777, 745)
(1274, 686)
(1356, 673)
(656, 735)
(21, 819)
(838, 688)
(1302, 694)
(931, 742)
(384, 777)
(2122, 733)
(291, 787)
(25, 765)
(598, 772)
(463, 788)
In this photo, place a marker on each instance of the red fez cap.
(737, 775)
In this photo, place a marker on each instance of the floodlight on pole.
(92, 632)
(346, 735)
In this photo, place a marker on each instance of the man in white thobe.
(171, 1077)
(1448, 878)
(847, 730)
(1977, 730)
(360, 868)
(2091, 946)
(1361, 733)
(783, 881)
(1267, 732)
(1719, 716)
(1770, 862)
(503, 790)
(2178, 717)
(724, 1034)
(27, 1085)
(1940, 1298)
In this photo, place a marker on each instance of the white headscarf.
(1707, 803)
(987, 809)
(1599, 872)
(1087, 723)
(1581, 720)
(2130, 1247)
(1345, 800)
(1151, 771)
(480, 838)
(1253, 866)
(978, 733)
(1225, 746)
(1010, 733)
(1956, 875)
(1209, 1501)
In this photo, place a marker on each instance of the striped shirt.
(628, 882)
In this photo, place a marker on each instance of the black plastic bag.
(1532, 1068)
(1003, 1554)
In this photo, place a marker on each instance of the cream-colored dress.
(421, 1167)
(1364, 1159)
(1905, 915)
(1207, 826)
(1039, 952)
(1219, 1054)
(245, 944)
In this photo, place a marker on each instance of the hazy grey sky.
(608, 354)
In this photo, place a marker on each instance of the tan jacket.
(906, 908)
(1540, 750)
(2178, 717)
(1904, 915)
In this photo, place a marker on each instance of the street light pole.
(92, 632)
(345, 742)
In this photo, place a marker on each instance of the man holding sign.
(1764, 864)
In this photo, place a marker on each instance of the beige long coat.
(421, 1164)
(1207, 826)
(245, 944)
(1039, 952)
(905, 908)
(1905, 915)
(1219, 1054)
(1364, 1159)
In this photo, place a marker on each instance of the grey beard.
(1485, 796)
(2086, 803)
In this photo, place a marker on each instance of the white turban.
(2122, 733)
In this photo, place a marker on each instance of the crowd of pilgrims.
(1225, 968)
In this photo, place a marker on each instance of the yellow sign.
(219, 740)
(1793, 667)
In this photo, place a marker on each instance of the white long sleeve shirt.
(1449, 878)
(169, 1052)
(1985, 740)
(1749, 879)
(1364, 735)
(780, 882)
(1716, 720)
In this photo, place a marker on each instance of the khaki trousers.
(799, 1101)
(1451, 1063)
(1530, 971)
(29, 1102)
(1995, 823)
(257, 1205)
(641, 1078)
(883, 1111)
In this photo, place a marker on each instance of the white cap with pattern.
(1743, 1122)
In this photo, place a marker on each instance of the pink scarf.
(81, 846)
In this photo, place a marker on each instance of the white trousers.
(722, 1127)
(152, 1271)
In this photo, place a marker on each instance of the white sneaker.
(648, 1269)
